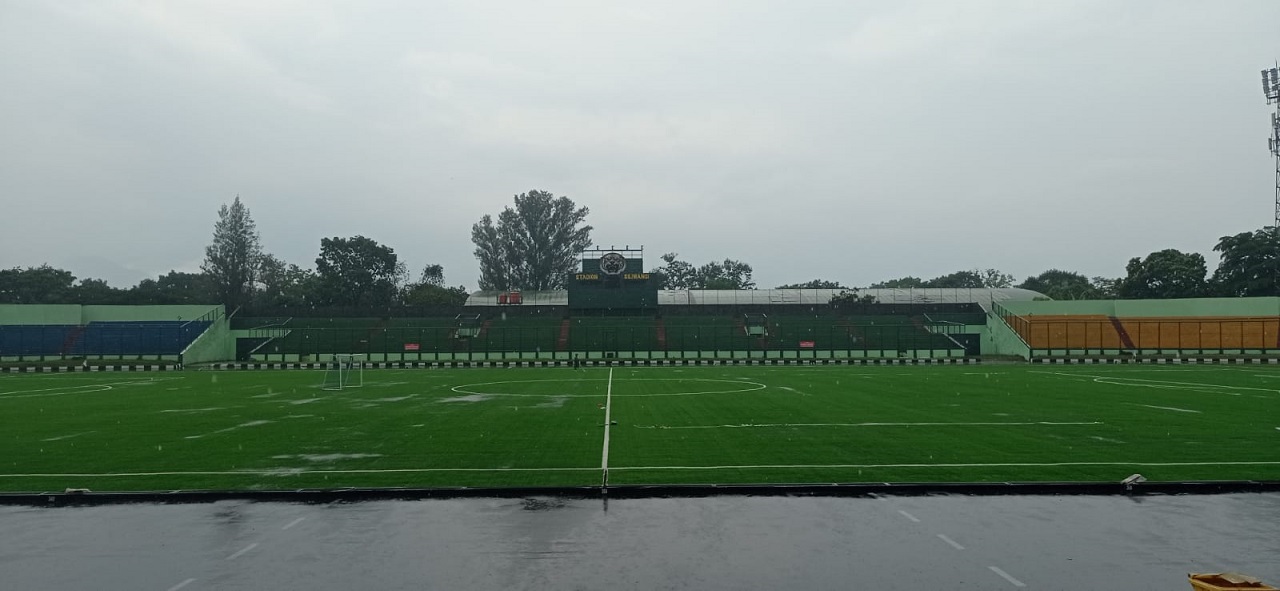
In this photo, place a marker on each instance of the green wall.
(19, 314)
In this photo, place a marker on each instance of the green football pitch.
(263, 430)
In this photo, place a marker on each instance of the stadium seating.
(612, 333)
(35, 339)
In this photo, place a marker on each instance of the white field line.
(1006, 576)
(182, 584)
(276, 472)
(950, 542)
(984, 424)
(293, 523)
(745, 386)
(913, 518)
(243, 551)
(1141, 382)
(608, 409)
(1169, 408)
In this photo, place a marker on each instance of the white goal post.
(344, 370)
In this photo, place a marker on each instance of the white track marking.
(182, 584)
(1169, 408)
(243, 551)
(608, 409)
(950, 541)
(909, 516)
(1007, 577)
(276, 471)
(872, 425)
(292, 523)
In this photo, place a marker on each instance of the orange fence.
(1099, 332)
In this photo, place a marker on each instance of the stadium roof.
(730, 297)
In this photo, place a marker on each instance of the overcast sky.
(851, 141)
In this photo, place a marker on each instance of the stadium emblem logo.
(613, 264)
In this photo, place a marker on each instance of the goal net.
(344, 370)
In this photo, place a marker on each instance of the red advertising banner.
(411, 346)
(806, 344)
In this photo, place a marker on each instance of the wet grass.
(542, 427)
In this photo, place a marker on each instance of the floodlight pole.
(1271, 88)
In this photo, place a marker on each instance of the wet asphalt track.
(884, 543)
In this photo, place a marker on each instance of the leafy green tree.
(959, 279)
(430, 290)
(175, 287)
(534, 246)
(1106, 288)
(1165, 274)
(675, 273)
(726, 274)
(901, 283)
(357, 271)
(813, 284)
(36, 285)
(1062, 285)
(287, 285)
(231, 261)
(96, 291)
(1249, 264)
(851, 297)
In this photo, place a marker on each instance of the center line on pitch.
(604, 453)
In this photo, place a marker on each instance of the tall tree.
(1062, 285)
(534, 246)
(675, 273)
(231, 261)
(358, 271)
(729, 274)
(1167, 273)
(1249, 264)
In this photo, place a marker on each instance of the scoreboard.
(612, 279)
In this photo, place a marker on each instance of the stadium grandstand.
(608, 313)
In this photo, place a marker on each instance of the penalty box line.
(635, 468)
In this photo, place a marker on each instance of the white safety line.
(182, 584)
(1007, 577)
(608, 409)
(980, 424)
(950, 541)
(971, 465)
(909, 516)
(243, 551)
(293, 523)
(277, 472)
